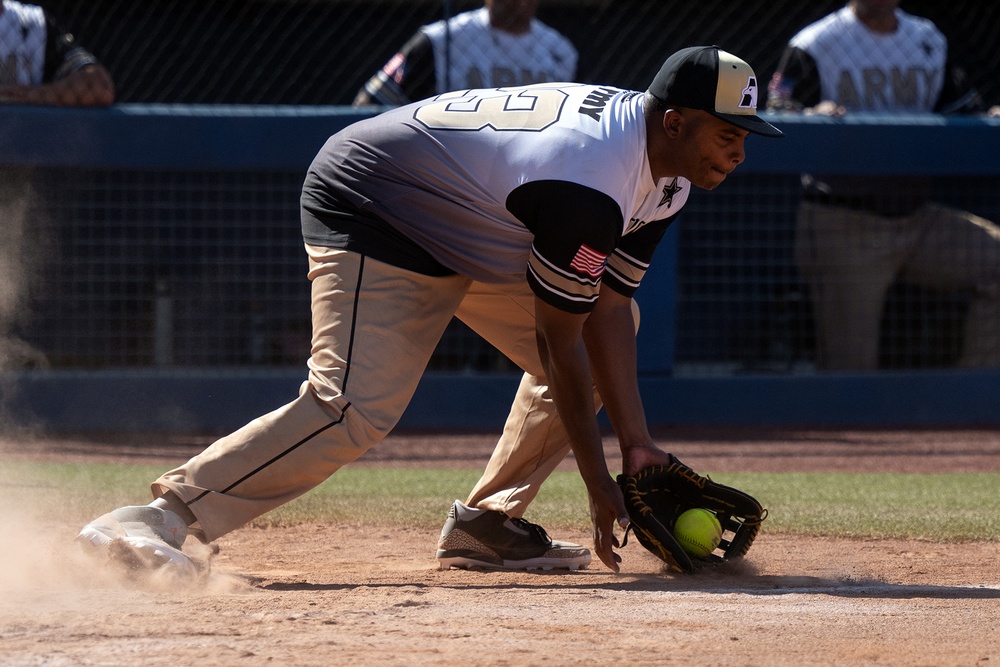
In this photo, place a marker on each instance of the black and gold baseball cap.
(712, 80)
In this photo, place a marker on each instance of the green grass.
(943, 508)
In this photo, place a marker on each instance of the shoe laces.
(533, 528)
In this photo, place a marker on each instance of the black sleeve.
(627, 265)
(958, 94)
(407, 77)
(63, 55)
(576, 230)
(795, 85)
(420, 78)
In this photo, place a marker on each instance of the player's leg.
(488, 529)
(958, 250)
(374, 329)
(532, 445)
(533, 442)
(849, 259)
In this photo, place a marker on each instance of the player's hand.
(607, 510)
(825, 108)
(993, 112)
(12, 94)
(637, 457)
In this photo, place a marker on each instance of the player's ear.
(672, 122)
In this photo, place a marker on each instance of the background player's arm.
(409, 75)
(795, 85)
(959, 94)
(71, 76)
(87, 87)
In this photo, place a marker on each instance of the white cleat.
(144, 540)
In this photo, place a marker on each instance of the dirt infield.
(348, 595)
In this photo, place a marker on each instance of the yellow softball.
(698, 532)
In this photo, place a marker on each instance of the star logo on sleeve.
(669, 190)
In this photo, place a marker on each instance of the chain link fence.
(323, 51)
(115, 262)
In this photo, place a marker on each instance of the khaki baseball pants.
(851, 258)
(375, 327)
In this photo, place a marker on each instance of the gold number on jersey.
(501, 110)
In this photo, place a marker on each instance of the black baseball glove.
(657, 495)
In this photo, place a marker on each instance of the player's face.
(512, 15)
(874, 7)
(712, 148)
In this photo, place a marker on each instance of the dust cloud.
(40, 552)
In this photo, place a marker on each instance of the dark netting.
(107, 267)
(322, 52)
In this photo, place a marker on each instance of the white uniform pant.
(375, 327)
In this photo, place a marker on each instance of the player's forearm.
(610, 338)
(89, 87)
(569, 381)
(567, 371)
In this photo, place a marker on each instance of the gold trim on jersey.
(565, 284)
(627, 269)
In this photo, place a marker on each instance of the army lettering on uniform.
(877, 88)
(594, 103)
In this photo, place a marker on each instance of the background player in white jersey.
(500, 44)
(42, 64)
(857, 234)
(531, 213)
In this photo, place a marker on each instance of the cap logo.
(749, 100)
(714, 81)
(736, 91)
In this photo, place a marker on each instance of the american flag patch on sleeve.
(394, 68)
(589, 261)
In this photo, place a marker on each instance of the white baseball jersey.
(549, 182)
(33, 50)
(468, 52)
(481, 56)
(865, 70)
(839, 59)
